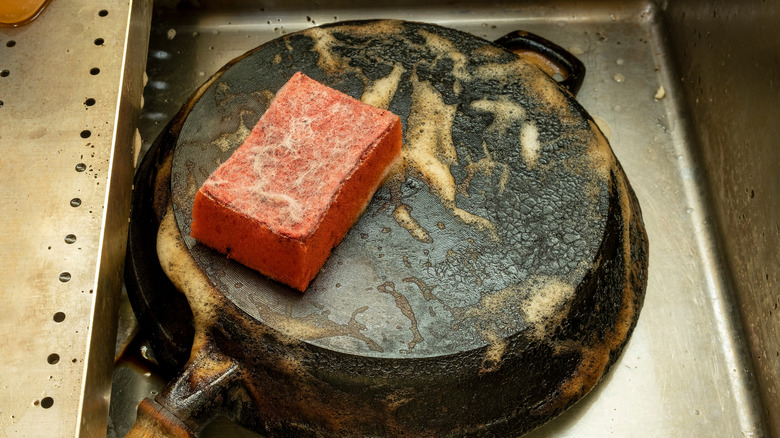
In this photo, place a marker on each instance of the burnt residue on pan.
(489, 285)
(513, 172)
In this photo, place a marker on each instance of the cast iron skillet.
(489, 285)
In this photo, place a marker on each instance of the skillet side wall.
(338, 394)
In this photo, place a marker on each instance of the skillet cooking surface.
(493, 222)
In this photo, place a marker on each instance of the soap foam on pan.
(379, 93)
(429, 151)
(428, 148)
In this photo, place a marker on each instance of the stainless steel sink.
(687, 92)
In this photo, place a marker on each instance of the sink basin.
(685, 91)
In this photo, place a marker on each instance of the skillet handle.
(206, 386)
(154, 420)
(548, 56)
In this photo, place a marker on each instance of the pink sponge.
(292, 190)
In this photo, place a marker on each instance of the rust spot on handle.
(154, 420)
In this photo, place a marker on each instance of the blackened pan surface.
(502, 202)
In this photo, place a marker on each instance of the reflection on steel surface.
(66, 166)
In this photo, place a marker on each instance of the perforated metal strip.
(70, 93)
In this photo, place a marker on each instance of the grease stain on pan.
(529, 139)
(265, 95)
(546, 305)
(402, 303)
(597, 354)
(442, 47)
(378, 29)
(553, 96)
(380, 92)
(182, 190)
(223, 95)
(227, 141)
(485, 166)
(494, 353)
(493, 61)
(316, 325)
(428, 149)
(604, 127)
(403, 216)
(186, 275)
(506, 112)
(204, 298)
(324, 41)
(599, 152)
(298, 392)
(425, 290)
(542, 301)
